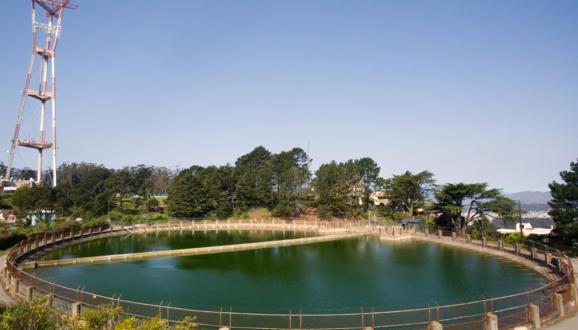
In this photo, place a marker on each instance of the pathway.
(571, 323)
(4, 297)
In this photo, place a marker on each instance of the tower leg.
(53, 122)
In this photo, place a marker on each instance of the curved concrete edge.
(140, 231)
(192, 251)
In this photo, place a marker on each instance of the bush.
(284, 209)
(39, 316)
(36, 315)
(9, 239)
(513, 238)
(102, 317)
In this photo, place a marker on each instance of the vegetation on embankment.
(38, 315)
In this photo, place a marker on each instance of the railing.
(548, 302)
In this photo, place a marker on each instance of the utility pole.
(520, 219)
(45, 35)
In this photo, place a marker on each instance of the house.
(378, 197)
(411, 223)
(35, 217)
(7, 217)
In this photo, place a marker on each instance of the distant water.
(326, 277)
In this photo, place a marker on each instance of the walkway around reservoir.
(193, 251)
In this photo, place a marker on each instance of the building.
(35, 217)
(7, 217)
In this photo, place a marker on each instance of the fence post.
(484, 241)
(534, 253)
(490, 321)
(30, 293)
(468, 238)
(573, 294)
(559, 304)
(453, 235)
(534, 316)
(500, 244)
(435, 325)
(517, 247)
(548, 258)
(439, 233)
(75, 309)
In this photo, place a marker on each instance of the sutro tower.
(45, 34)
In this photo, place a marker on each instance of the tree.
(3, 169)
(475, 200)
(254, 179)
(290, 174)
(409, 191)
(367, 171)
(200, 192)
(84, 189)
(161, 178)
(26, 200)
(564, 203)
(331, 190)
(343, 188)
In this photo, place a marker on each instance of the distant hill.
(532, 200)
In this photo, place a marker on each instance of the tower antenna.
(45, 35)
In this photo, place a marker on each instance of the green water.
(326, 277)
(158, 241)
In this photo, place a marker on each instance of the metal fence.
(512, 310)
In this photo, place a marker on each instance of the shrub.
(513, 238)
(36, 315)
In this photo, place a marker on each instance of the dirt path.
(4, 297)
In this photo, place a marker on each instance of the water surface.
(325, 277)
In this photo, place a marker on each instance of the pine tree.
(564, 202)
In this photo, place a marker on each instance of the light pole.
(520, 219)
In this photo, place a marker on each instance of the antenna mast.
(45, 35)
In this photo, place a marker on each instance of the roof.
(411, 221)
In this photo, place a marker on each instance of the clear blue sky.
(470, 90)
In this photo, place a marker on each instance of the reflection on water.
(158, 241)
(325, 277)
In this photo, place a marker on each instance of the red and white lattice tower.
(45, 33)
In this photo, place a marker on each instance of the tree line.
(283, 183)
(89, 190)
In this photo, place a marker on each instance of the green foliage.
(198, 192)
(290, 176)
(39, 316)
(7, 239)
(258, 180)
(465, 203)
(254, 179)
(34, 316)
(102, 317)
(343, 188)
(331, 189)
(188, 323)
(4, 202)
(28, 199)
(408, 191)
(564, 204)
(512, 238)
